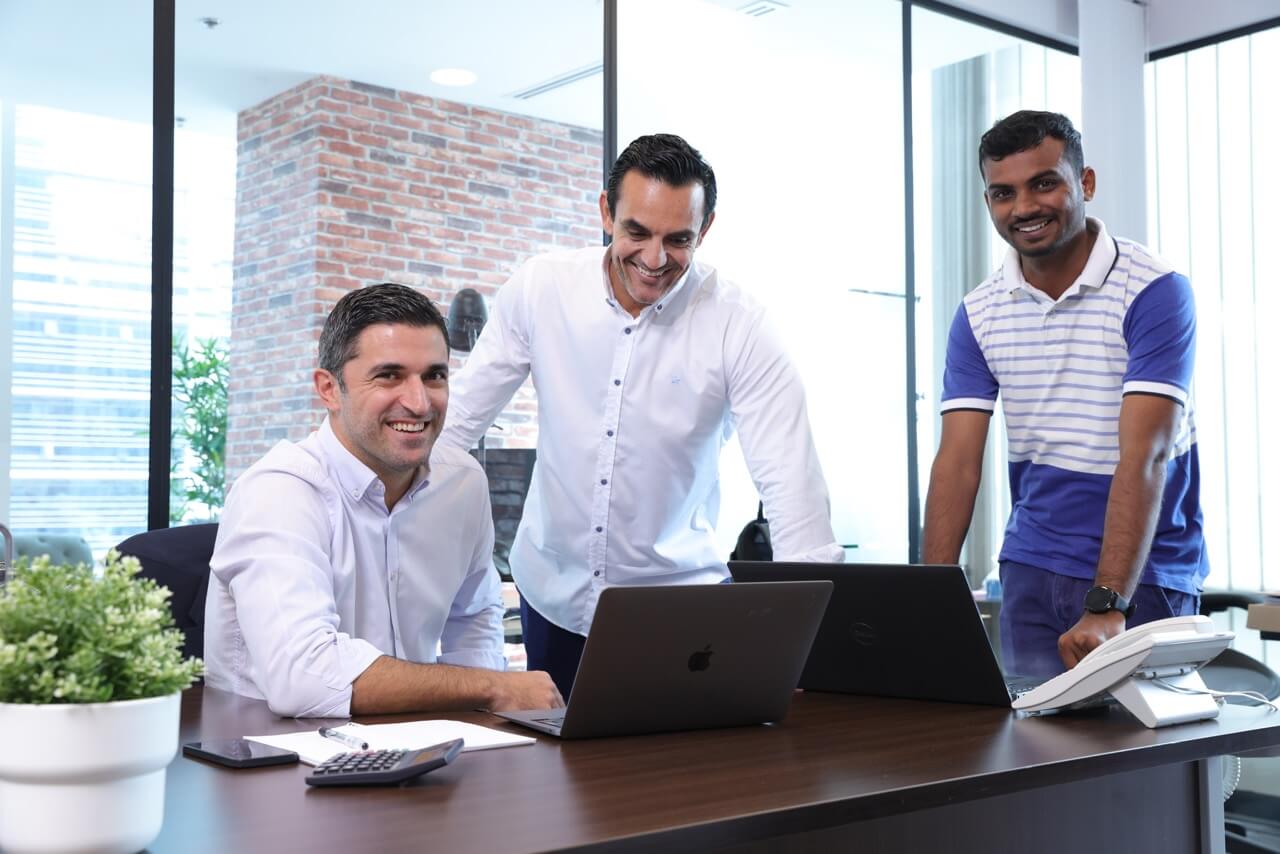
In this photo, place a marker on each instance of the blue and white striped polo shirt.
(1127, 325)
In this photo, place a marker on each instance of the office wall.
(341, 184)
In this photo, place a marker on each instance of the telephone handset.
(1136, 664)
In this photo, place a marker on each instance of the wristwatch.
(1100, 600)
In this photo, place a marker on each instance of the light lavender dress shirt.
(313, 578)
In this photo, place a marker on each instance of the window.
(1213, 124)
(75, 272)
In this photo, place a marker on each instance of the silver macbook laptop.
(660, 659)
(898, 630)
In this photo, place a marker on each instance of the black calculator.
(382, 767)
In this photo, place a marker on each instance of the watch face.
(1099, 600)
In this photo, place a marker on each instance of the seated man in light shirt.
(346, 561)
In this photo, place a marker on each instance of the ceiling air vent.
(760, 8)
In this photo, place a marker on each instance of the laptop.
(660, 659)
(897, 630)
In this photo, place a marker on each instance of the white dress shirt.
(313, 578)
(632, 415)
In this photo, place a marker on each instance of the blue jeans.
(1039, 606)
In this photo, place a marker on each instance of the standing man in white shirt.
(644, 363)
(343, 562)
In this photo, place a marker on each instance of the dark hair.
(365, 307)
(672, 161)
(1027, 129)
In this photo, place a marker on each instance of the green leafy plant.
(200, 374)
(68, 636)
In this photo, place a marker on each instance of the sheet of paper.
(313, 748)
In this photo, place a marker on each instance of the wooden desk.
(883, 775)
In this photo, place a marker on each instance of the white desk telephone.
(1149, 669)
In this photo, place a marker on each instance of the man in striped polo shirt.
(1090, 341)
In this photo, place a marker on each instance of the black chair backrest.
(178, 558)
(754, 542)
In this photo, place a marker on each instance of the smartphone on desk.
(239, 753)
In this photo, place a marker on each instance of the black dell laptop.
(664, 658)
(897, 630)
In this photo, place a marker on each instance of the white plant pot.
(85, 777)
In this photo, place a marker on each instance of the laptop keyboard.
(554, 720)
(1019, 685)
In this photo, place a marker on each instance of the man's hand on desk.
(1087, 634)
(515, 690)
(391, 685)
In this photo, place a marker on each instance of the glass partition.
(798, 108)
(964, 78)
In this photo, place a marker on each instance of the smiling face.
(390, 407)
(655, 228)
(1036, 199)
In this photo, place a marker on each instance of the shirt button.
(599, 529)
(617, 382)
(658, 306)
(627, 330)
(603, 481)
(597, 572)
(608, 432)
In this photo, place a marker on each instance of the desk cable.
(1220, 696)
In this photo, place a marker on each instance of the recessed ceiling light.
(453, 77)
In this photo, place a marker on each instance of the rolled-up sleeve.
(271, 558)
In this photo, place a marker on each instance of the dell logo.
(864, 634)
(700, 660)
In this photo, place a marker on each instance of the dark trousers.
(1039, 606)
(549, 647)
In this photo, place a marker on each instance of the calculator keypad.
(364, 760)
(382, 767)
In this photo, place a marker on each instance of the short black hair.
(365, 307)
(672, 161)
(1026, 129)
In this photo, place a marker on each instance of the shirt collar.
(664, 305)
(1094, 275)
(356, 478)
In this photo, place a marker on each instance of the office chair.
(1249, 816)
(178, 558)
(61, 548)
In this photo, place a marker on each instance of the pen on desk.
(349, 740)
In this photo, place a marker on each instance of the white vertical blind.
(1214, 125)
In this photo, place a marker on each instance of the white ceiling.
(95, 56)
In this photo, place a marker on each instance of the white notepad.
(313, 748)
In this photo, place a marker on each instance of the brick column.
(343, 184)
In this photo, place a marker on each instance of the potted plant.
(91, 672)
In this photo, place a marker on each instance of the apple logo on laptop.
(700, 660)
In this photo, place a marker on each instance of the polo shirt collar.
(1094, 275)
(667, 305)
(354, 477)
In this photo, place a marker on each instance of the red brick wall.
(341, 184)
